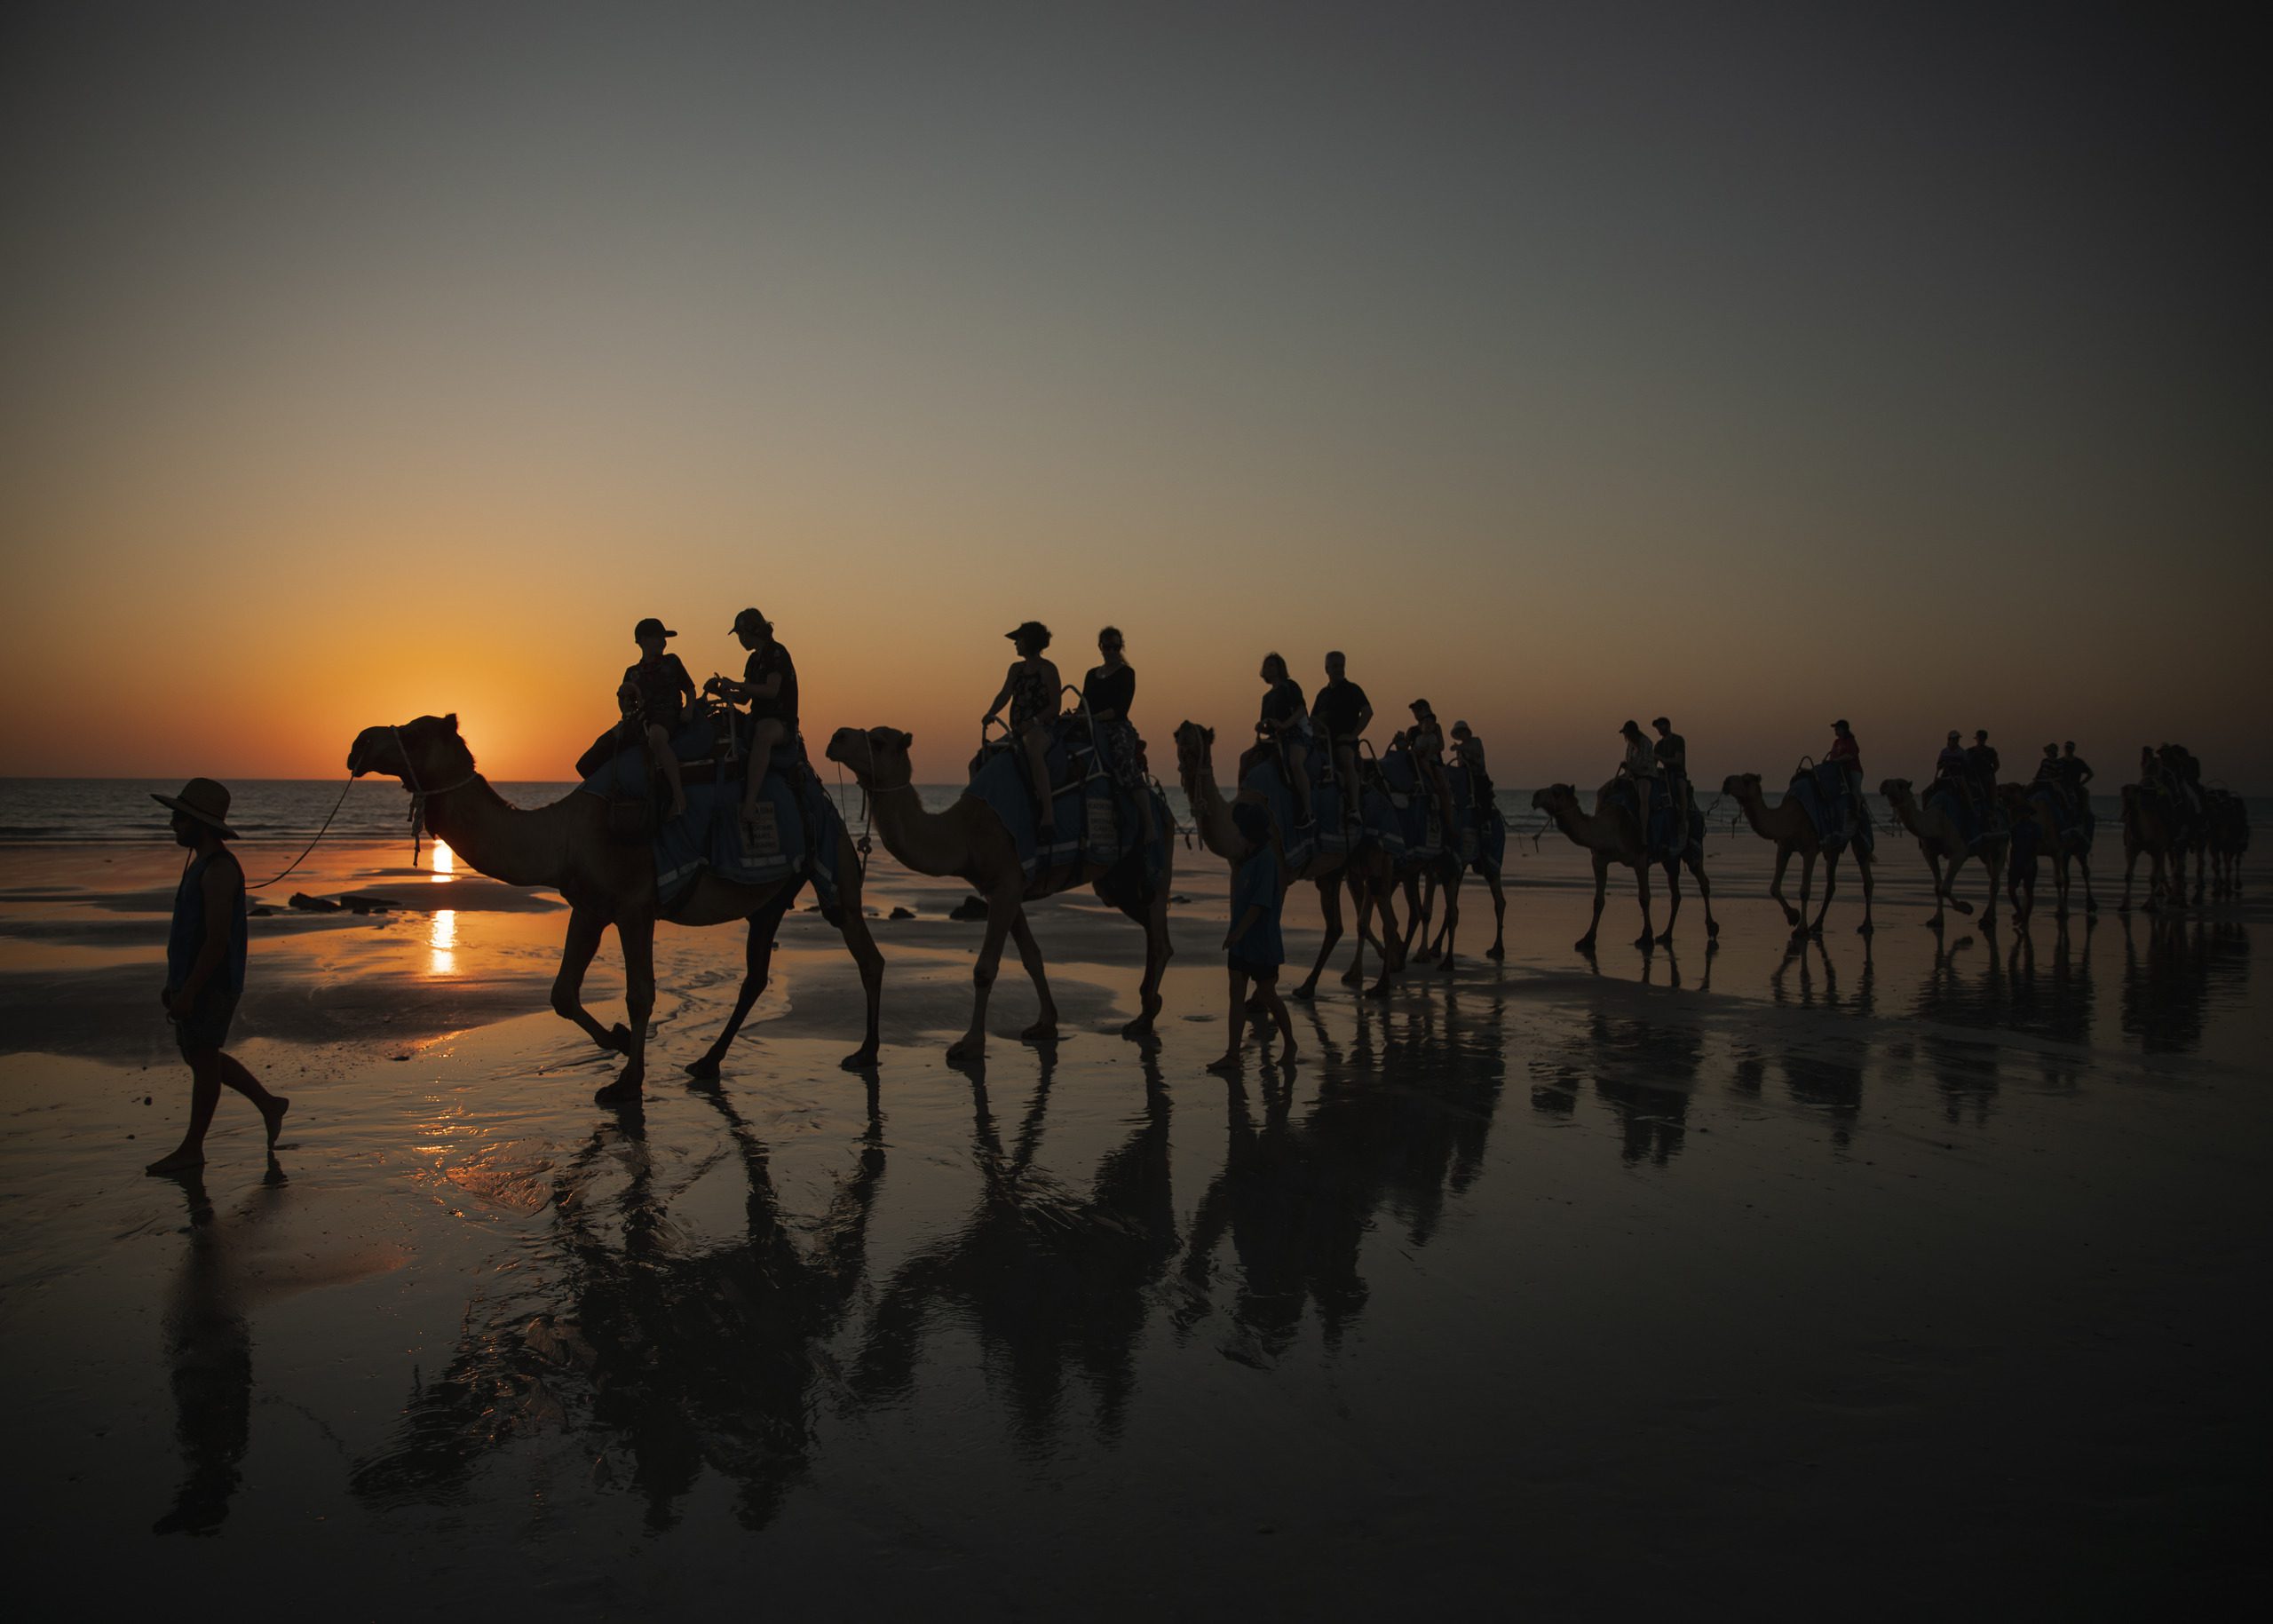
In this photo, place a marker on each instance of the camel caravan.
(699, 806)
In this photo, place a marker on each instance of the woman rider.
(769, 685)
(1031, 687)
(1106, 693)
(1426, 739)
(1286, 719)
(1641, 765)
(658, 689)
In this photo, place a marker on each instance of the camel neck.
(489, 834)
(1211, 812)
(920, 840)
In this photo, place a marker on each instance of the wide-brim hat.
(203, 799)
(651, 627)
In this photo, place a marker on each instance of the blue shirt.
(1254, 883)
(188, 937)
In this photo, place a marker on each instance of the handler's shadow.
(664, 1358)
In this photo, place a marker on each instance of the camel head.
(1555, 799)
(873, 754)
(1195, 748)
(1744, 786)
(426, 751)
(1895, 791)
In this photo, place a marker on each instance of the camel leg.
(1329, 907)
(2130, 868)
(1992, 866)
(1001, 908)
(1934, 866)
(1452, 921)
(1425, 888)
(1807, 888)
(1672, 899)
(1586, 944)
(1156, 921)
(757, 956)
(1044, 1029)
(1862, 867)
(1696, 865)
(1392, 946)
(636, 937)
(1416, 919)
(1776, 884)
(1499, 947)
(1830, 884)
(585, 928)
(1641, 887)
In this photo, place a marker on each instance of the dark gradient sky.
(1756, 364)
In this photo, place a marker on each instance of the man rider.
(1641, 765)
(769, 687)
(1672, 752)
(2075, 772)
(1981, 760)
(1952, 768)
(1341, 712)
(1468, 755)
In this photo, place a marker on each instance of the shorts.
(1267, 974)
(207, 1025)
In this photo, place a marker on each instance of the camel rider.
(1287, 720)
(1641, 765)
(1672, 752)
(1340, 713)
(1426, 739)
(1107, 692)
(2048, 773)
(2075, 772)
(1468, 755)
(1981, 759)
(1849, 754)
(1031, 687)
(769, 688)
(2185, 775)
(656, 692)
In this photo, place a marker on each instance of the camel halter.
(420, 794)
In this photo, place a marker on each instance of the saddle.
(617, 767)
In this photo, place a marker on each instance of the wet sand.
(1876, 1276)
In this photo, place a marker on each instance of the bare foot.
(275, 1116)
(181, 1161)
(1225, 1064)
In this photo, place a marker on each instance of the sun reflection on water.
(442, 940)
(446, 861)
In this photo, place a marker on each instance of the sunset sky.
(1759, 366)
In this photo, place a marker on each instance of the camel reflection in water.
(1055, 1281)
(1398, 1124)
(1643, 1060)
(2175, 966)
(1823, 1069)
(678, 1359)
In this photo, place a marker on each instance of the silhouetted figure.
(659, 691)
(1285, 721)
(1252, 946)
(1107, 693)
(1339, 717)
(1426, 739)
(1672, 752)
(769, 688)
(205, 968)
(1030, 688)
(1982, 763)
(1849, 754)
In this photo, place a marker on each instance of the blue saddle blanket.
(1661, 838)
(1094, 822)
(1974, 823)
(1822, 791)
(1409, 805)
(794, 828)
(2075, 826)
(1479, 830)
(1325, 835)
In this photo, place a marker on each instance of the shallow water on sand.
(1724, 1277)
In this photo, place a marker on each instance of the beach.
(1919, 1269)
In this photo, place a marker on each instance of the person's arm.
(1365, 720)
(1243, 924)
(2083, 773)
(1001, 695)
(221, 891)
(687, 691)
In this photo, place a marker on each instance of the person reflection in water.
(1254, 947)
(205, 970)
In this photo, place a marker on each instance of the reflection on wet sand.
(669, 1360)
(1822, 1076)
(2171, 978)
(1053, 1280)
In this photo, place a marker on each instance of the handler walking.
(205, 969)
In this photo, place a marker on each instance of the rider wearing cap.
(1031, 687)
(1982, 760)
(1340, 715)
(769, 687)
(657, 690)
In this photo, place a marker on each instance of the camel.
(1788, 825)
(1942, 843)
(968, 841)
(2147, 827)
(1448, 872)
(1365, 868)
(1612, 834)
(2228, 841)
(2024, 805)
(566, 845)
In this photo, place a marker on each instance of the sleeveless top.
(1032, 697)
(188, 937)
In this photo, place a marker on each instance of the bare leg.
(209, 1069)
(1267, 990)
(1229, 1060)
(1037, 742)
(659, 745)
(766, 735)
(1298, 777)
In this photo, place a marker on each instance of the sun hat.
(1030, 632)
(203, 799)
(650, 627)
